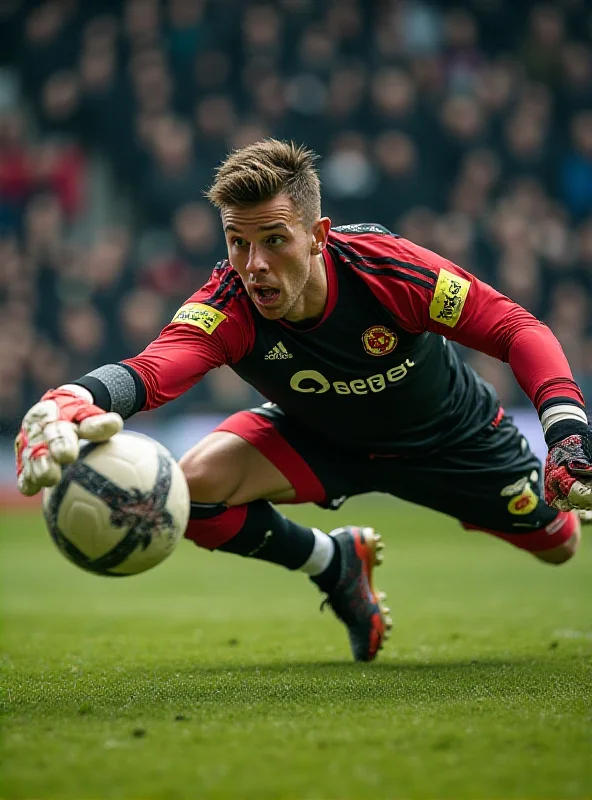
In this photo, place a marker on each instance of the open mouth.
(266, 295)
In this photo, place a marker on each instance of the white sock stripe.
(560, 413)
(321, 555)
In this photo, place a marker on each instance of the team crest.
(526, 502)
(379, 341)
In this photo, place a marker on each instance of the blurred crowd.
(465, 127)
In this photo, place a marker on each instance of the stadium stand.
(465, 127)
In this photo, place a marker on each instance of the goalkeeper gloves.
(568, 470)
(50, 432)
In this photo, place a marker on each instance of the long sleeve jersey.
(376, 371)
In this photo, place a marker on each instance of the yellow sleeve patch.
(199, 315)
(449, 298)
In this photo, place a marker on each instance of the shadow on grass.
(381, 667)
(266, 690)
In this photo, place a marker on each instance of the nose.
(256, 265)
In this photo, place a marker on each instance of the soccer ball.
(120, 508)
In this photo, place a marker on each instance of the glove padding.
(50, 433)
(568, 472)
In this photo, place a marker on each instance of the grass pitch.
(214, 677)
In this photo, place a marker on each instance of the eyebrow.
(271, 226)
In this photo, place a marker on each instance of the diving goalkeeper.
(346, 331)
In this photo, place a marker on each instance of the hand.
(49, 436)
(568, 472)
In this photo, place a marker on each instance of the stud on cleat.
(354, 600)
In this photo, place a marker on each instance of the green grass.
(215, 677)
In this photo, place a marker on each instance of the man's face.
(274, 253)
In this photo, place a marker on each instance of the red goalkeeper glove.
(568, 470)
(49, 435)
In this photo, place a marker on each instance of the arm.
(213, 328)
(209, 330)
(425, 292)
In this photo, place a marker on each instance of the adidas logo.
(277, 352)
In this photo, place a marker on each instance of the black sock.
(270, 536)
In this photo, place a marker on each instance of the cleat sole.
(376, 546)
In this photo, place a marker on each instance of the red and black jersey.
(376, 371)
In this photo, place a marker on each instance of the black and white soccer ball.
(120, 508)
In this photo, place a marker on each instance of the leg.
(236, 473)
(491, 484)
(224, 468)
(562, 552)
(231, 483)
(555, 543)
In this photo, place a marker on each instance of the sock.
(327, 577)
(258, 530)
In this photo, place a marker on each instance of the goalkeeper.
(346, 332)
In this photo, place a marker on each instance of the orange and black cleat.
(354, 599)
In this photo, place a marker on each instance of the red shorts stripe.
(552, 535)
(261, 433)
(498, 417)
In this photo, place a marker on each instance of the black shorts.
(491, 483)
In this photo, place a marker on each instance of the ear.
(320, 232)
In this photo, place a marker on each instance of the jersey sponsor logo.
(379, 341)
(200, 316)
(278, 352)
(449, 298)
(514, 488)
(526, 502)
(518, 486)
(310, 380)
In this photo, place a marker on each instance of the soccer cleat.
(354, 600)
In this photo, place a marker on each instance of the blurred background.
(466, 127)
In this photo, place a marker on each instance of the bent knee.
(564, 552)
(212, 475)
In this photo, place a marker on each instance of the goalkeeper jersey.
(377, 371)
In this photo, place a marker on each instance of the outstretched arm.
(200, 337)
(213, 327)
(428, 293)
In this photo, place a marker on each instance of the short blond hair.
(265, 169)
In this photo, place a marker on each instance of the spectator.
(349, 176)
(142, 317)
(215, 121)
(402, 178)
(542, 47)
(576, 167)
(176, 176)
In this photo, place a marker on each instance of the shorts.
(490, 483)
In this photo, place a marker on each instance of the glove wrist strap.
(115, 387)
(564, 428)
